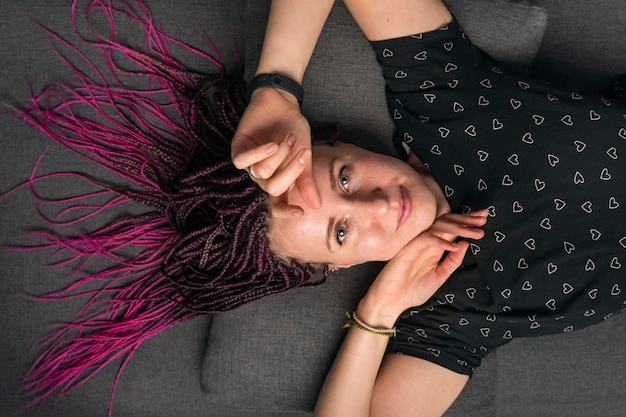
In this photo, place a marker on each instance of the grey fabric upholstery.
(269, 359)
(163, 379)
(577, 374)
(519, 26)
(579, 36)
(301, 328)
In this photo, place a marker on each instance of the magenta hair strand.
(199, 247)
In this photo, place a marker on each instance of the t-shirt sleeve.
(425, 61)
(422, 335)
(427, 67)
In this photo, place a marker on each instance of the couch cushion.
(583, 46)
(578, 374)
(509, 31)
(273, 355)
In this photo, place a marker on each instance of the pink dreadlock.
(202, 249)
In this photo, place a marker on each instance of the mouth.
(404, 208)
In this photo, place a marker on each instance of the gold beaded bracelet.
(353, 321)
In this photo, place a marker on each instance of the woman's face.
(372, 206)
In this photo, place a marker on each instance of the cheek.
(287, 239)
(381, 247)
(303, 238)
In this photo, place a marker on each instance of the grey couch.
(270, 358)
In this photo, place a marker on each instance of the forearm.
(348, 388)
(349, 384)
(293, 29)
(360, 383)
(396, 18)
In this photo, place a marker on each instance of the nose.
(374, 203)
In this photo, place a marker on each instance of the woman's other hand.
(418, 270)
(273, 142)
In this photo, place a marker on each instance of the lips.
(404, 207)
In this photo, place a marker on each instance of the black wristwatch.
(277, 81)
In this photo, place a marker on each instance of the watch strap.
(277, 81)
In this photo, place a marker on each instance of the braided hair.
(201, 248)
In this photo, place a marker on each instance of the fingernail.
(291, 139)
(305, 156)
(271, 148)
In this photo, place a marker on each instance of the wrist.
(376, 315)
(275, 99)
(280, 60)
(353, 320)
(290, 69)
(289, 88)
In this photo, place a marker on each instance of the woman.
(203, 245)
(545, 162)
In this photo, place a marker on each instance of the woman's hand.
(273, 141)
(417, 271)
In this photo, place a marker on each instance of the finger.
(428, 241)
(307, 188)
(442, 244)
(452, 226)
(282, 210)
(477, 218)
(245, 153)
(470, 233)
(266, 168)
(471, 214)
(452, 261)
(298, 171)
(462, 230)
(452, 234)
(469, 219)
(480, 213)
(284, 179)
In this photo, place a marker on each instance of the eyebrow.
(331, 222)
(331, 228)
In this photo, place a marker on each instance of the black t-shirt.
(551, 167)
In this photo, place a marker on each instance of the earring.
(332, 268)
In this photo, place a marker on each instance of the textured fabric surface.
(578, 374)
(581, 35)
(163, 378)
(519, 26)
(274, 354)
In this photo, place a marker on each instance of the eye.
(344, 178)
(342, 231)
